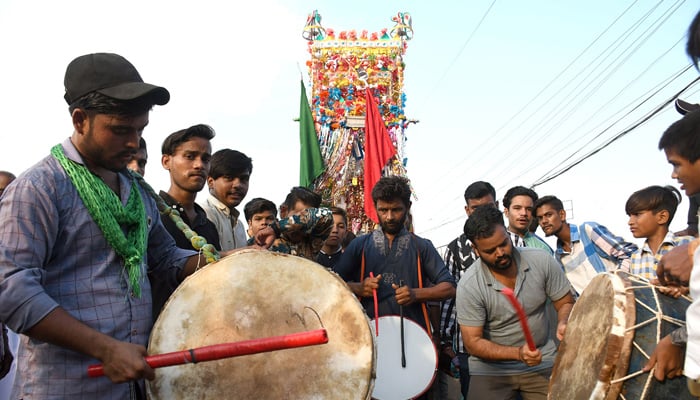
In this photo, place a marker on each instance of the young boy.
(229, 177)
(333, 246)
(651, 211)
(259, 213)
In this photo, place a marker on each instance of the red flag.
(378, 151)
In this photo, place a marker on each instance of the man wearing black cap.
(79, 236)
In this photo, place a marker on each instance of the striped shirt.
(530, 240)
(594, 249)
(458, 257)
(643, 261)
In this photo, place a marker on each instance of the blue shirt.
(53, 254)
(396, 263)
(643, 261)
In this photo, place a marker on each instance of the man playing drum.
(500, 364)
(78, 237)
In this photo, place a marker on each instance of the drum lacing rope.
(657, 316)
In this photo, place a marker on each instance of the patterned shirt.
(53, 254)
(303, 234)
(594, 249)
(643, 262)
(458, 257)
(530, 240)
(230, 228)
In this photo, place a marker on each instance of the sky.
(504, 91)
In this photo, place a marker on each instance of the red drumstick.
(376, 307)
(508, 292)
(226, 350)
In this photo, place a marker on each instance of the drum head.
(255, 294)
(595, 349)
(395, 382)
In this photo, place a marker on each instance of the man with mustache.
(500, 363)
(229, 177)
(393, 255)
(584, 250)
(519, 203)
(186, 157)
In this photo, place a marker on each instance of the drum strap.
(420, 285)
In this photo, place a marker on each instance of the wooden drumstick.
(227, 350)
(403, 346)
(510, 295)
(376, 307)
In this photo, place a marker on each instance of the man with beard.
(584, 250)
(396, 260)
(186, 157)
(229, 176)
(500, 364)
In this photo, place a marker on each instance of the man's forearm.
(441, 291)
(488, 350)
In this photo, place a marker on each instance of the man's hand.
(123, 362)
(674, 267)
(668, 359)
(369, 285)
(671, 291)
(265, 237)
(529, 358)
(404, 295)
(561, 330)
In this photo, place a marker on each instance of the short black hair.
(389, 188)
(96, 103)
(693, 44)
(654, 198)
(478, 190)
(175, 139)
(258, 205)
(305, 195)
(341, 212)
(683, 137)
(227, 162)
(518, 191)
(553, 201)
(483, 223)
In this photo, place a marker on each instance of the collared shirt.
(303, 234)
(329, 260)
(480, 304)
(53, 254)
(529, 240)
(230, 228)
(643, 261)
(396, 263)
(594, 249)
(458, 257)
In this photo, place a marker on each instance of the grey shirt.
(480, 304)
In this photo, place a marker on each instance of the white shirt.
(692, 320)
(231, 230)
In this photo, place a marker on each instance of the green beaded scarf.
(107, 211)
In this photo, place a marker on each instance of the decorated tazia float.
(357, 107)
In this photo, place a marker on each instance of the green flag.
(310, 161)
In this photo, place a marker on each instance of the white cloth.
(231, 230)
(7, 381)
(692, 320)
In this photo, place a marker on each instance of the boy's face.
(338, 232)
(645, 223)
(685, 172)
(259, 221)
(230, 190)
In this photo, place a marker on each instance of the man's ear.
(165, 161)
(562, 215)
(210, 182)
(81, 121)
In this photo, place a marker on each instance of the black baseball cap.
(111, 75)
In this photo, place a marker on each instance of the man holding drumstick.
(79, 236)
(501, 365)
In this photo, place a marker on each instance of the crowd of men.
(89, 253)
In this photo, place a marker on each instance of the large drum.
(255, 294)
(613, 329)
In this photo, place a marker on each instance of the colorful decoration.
(341, 67)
